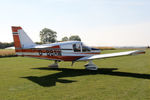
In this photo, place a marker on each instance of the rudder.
(16, 38)
(21, 39)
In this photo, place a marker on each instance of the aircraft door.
(77, 47)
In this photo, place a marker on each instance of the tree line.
(5, 45)
(50, 36)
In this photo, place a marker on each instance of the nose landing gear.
(91, 66)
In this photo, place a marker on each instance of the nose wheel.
(91, 66)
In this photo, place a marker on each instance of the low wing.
(110, 55)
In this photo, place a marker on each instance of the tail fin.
(21, 39)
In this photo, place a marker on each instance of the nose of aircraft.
(95, 49)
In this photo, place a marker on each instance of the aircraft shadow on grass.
(50, 80)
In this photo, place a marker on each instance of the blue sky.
(97, 22)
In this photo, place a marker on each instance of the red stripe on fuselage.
(44, 51)
(36, 51)
(64, 58)
(28, 50)
(55, 47)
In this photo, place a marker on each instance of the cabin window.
(76, 47)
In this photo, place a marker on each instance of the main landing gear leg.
(91, 66)
(54, 65)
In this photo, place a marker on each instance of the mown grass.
(120, 78)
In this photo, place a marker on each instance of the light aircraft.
(62, 51)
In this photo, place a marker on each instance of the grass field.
(120, 78)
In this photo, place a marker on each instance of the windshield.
(85, 48)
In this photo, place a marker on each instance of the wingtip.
(139, 52)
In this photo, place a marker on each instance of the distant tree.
(38, 42)
(65, 38)
(74, 38)
(5, 45)
(48, 36)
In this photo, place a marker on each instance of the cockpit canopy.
(80, 47)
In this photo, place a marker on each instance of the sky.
(97, 22)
